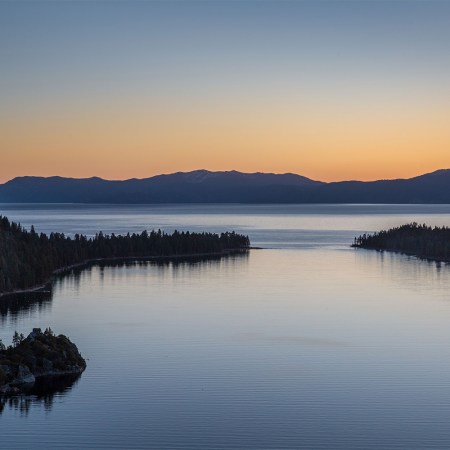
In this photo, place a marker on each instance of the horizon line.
(221, 172)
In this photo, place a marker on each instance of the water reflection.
(30, 303)
(43, 394)
(14, 305)
(403, 270)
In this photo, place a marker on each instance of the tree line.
(420, 240)
(29, 259)
(19, 338)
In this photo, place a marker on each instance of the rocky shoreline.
(41, 355)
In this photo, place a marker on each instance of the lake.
(305, 344)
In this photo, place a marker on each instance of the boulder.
(24, 376)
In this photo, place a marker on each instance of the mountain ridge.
(204, 186)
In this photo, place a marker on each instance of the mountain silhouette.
(203, 186)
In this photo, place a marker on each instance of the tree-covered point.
(414, 239)
(29, 259)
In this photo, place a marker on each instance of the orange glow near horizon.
(142, 143)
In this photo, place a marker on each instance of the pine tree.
(16, 339)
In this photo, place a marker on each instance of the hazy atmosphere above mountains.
(334, 90)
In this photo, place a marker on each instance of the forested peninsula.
(29, 259)
(413, 239)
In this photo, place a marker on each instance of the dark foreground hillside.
(414, 239)
(29, 259)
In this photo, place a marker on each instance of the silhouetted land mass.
(41, 355)
(29, 259)
(413, 239)
(203, 186)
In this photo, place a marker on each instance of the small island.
(41, 355)
(423, 241)
(29, 259)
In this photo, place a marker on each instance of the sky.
(331, 90)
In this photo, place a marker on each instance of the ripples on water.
(307, 345)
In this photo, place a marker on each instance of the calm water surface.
(306, 344)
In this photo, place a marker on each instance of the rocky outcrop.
(40, 355)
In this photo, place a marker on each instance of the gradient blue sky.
(331, 90)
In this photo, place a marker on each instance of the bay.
(306, 343)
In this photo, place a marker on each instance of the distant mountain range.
(202, 186)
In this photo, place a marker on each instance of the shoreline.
(46, 287)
